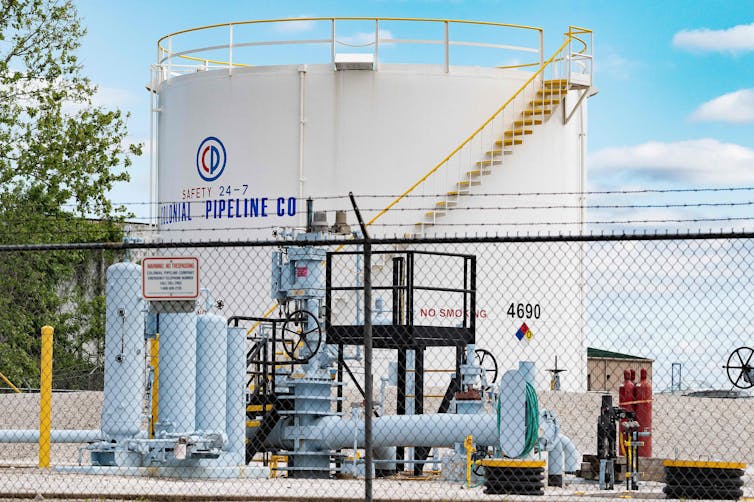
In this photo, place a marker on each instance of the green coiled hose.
(532, 421)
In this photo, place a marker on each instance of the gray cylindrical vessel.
(211, 362)
(177, 389)
(124, 343)
(235, 420)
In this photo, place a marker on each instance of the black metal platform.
(401, 337)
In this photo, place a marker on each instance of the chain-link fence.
(526, 366)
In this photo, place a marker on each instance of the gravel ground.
(684, 427)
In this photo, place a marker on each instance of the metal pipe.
(572, 456)
(230, 49)
(301, 124)
(154, 362)
(45, 397)
(332, 42)
(56, 436)
(152, 91)
(407, 430)
(447, 48)
(376, 44)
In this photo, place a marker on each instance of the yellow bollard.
(154, 361)
(45, 397)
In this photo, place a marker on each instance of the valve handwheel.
(740, 368)
(296, 333)
(486, 360)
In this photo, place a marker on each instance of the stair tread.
(508, 142)
(527, 122)
(546, 102)
(536, 111)
(517, 132)
(551, 92)
(560, 82)
(491, 162)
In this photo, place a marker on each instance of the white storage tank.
(460, 111)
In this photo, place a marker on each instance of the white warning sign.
(170, 278)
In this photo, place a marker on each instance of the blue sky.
(676, 100)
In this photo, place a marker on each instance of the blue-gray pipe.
(400, 430)
(56, 436)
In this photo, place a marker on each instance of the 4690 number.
(524, 310)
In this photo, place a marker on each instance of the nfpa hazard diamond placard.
(524, 331)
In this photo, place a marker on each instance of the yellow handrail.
(472, 135)
(304, 19)
(163, 50)
(9, 383)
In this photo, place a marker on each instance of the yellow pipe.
(154, 361)
(468, 443)
(265, 315)
(45, 397)
(9, 383)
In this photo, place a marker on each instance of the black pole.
(309, 214)
(400, 405)
(369, 405)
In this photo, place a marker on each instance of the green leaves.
(59, 157)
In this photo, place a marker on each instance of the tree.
(59, 157)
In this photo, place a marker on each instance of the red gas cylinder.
(626, 392)
(625, 401)
(643, 393)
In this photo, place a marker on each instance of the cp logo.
(210, 159)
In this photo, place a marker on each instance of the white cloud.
(363, 38)
(702, 162)
(113, 97)
(736, 39)
(736, 107)
(614, 65)
(294, 26)
(107, 97)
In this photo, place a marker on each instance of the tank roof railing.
(173, 61)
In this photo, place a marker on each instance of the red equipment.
(625, 400)
(626, 392)
(643, 407)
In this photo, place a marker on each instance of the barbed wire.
(496, 194)
(694, 205)
(407, 226)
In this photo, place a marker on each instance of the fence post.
(368, 401)
(45, 397)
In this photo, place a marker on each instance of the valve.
(296, 334)
(740, 368)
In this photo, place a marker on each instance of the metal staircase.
(466, 166)
(537, 111)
